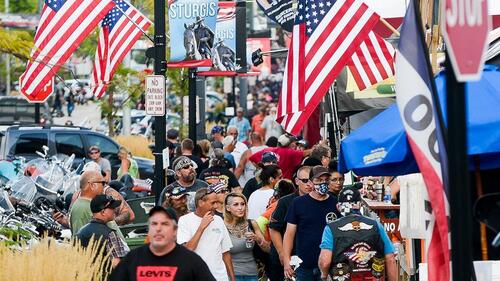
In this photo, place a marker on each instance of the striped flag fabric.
(117, 35)
(372, 62)
(63, 25)
(325, 35)
(416, 99)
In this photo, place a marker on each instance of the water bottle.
(387, 194)
(249, 242)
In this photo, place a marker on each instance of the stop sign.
(465, 29)
(42, 95)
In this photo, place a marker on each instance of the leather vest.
(95, 228)
(358, 249)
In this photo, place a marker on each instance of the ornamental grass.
(49, 260)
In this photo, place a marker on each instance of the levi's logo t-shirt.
(156, 273)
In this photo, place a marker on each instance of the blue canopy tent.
(380, 146)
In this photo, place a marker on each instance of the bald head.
(91, 183)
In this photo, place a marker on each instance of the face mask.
(321, 188)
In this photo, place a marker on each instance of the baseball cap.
(177, 192)
(349, 194)
(167, 211)
(94, 148)
(217, 129)
(270, 156)
(172, 134)
(285, 140)
(318, 171)
(101, 202)
(181, 162)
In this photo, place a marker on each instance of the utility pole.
(7, 60)
(160, 68)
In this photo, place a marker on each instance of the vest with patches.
(357, 246)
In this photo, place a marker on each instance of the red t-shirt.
(289, 159)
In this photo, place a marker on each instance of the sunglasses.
(187, 167)
(304, 180)
(338, 180)
(94, 152)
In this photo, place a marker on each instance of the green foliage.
(14, 236)
(15, 42)
(88, 46)
(22, 6)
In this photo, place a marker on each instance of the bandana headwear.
(217, 187)
(181, 162)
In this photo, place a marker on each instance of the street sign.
(41, 96)
(155, 95)
(465, 29)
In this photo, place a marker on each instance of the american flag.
(372, 62)
(414, 90)
(64, 24)
(325, 35)
(117, 36)
(226, 12)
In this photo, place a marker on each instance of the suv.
(25, 140)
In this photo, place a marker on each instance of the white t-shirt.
(258, 201)
(238, 151)
(249, 171)
(214, 241)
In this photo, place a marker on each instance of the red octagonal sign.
(465, 29)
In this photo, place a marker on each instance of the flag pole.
(388, 25)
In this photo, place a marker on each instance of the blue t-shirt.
(327, 240)
(310, 216)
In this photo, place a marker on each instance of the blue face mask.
(321, 188)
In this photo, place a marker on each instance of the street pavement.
(88, 115)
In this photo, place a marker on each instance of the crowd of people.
(238, 208)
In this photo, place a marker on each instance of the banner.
(264, 44)
(279, 11)
(224, 49)
(192, 32)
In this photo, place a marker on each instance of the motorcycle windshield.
(48, 176)
(24, 189)
(5, 204)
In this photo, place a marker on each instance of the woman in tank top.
(245, 235)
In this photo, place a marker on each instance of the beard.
(190, 177)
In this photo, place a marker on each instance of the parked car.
(25, 140)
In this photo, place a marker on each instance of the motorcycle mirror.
(45, 149)
(487, 210)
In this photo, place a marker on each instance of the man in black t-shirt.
(162, 259)
(277, 224)
(219, 172)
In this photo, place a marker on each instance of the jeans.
(246, 278)
(308, 274)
